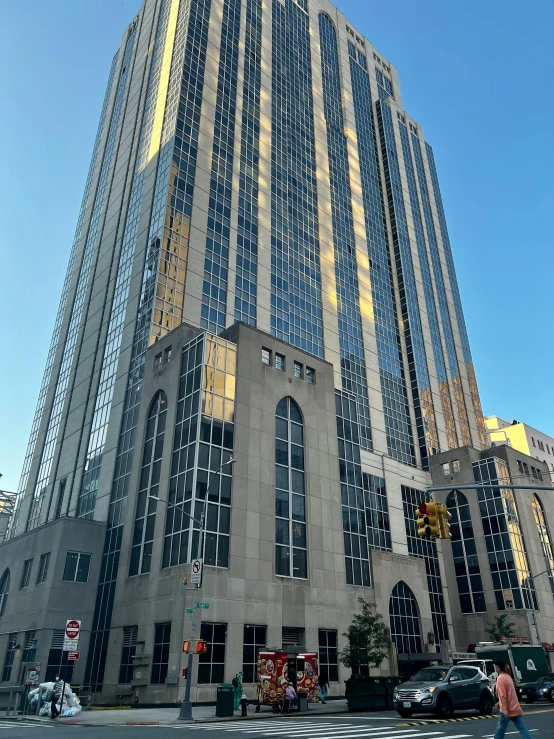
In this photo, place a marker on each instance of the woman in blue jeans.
(508, 704)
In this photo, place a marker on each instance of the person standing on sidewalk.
(508, 704)
(237, 686)
(323, 684)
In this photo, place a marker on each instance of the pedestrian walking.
(237, 686)
(508, 704)
(57, 695)
(323, 684)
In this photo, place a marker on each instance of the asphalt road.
(540, 720)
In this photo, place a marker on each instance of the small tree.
(368, 639)
(500, 627)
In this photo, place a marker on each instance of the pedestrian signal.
(186, 646)
(201, 647)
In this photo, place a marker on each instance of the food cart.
(275, 670)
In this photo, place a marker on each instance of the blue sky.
(476, 75)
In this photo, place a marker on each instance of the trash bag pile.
(70, 707)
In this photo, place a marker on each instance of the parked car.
(486, 666)
(442, 690)
(542, 690)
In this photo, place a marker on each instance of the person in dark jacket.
(57, 695)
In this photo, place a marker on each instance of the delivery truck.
(525, 663)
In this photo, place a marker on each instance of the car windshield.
(545, 679)
(430, 675)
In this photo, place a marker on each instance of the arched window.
(290, 492)
(145, 516)
(4, 590)
(546, 540)
(404, 620)
(466, 563)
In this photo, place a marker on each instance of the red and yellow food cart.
(275, 670)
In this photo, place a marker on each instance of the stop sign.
(72, 629)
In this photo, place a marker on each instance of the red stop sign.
(72, 629)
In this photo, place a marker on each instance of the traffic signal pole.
(185, 714)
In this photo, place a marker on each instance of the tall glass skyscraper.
(253, 163)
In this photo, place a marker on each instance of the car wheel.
(445, 709)
(405, 714)
(486, 705)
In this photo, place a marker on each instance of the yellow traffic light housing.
(427, 520)
(444, 518)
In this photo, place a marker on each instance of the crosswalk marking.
(338, 731)
(304, 729)
(23, 724)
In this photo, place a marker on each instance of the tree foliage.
(368, 639)
(500, 627)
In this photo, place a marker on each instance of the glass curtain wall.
(503, 536)
(203, 440)
(464, 552)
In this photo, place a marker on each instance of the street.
(539, 720)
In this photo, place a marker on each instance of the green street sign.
(202, 605)
(189, 610)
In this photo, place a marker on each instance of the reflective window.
(247, 226)
(254, 640)
(58, 664)
(503, 536)
(86, 495)
(394, 393)
(160, 656)
(328, 653)
(351, 343)
(216, 263)
(202, 442)
(298, 370)
(405, 630)
(428, 291)
(296, 303)
(77, 567)
(310, 375)
(145, 514)
(43, 568)
(9, 658)
(4, 590)
(464, 552)
(211, 664)
(127, 654)
(26, 574)
(279, 362)
(365, 516)
(440, 289)
(409, 301)
(290, 492)
(546, 539)
(266, 356)
(427, 550)
(30, 644)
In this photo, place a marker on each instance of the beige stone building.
(261, 268)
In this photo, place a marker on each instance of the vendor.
(290, 694)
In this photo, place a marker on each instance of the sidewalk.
(155, 716)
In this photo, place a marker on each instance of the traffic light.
(201, 647)
(186, 646)
(444, 518)
(427, 520)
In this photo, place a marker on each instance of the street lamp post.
(186, 706)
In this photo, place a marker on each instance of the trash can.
(302, 702)
(225, 705)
